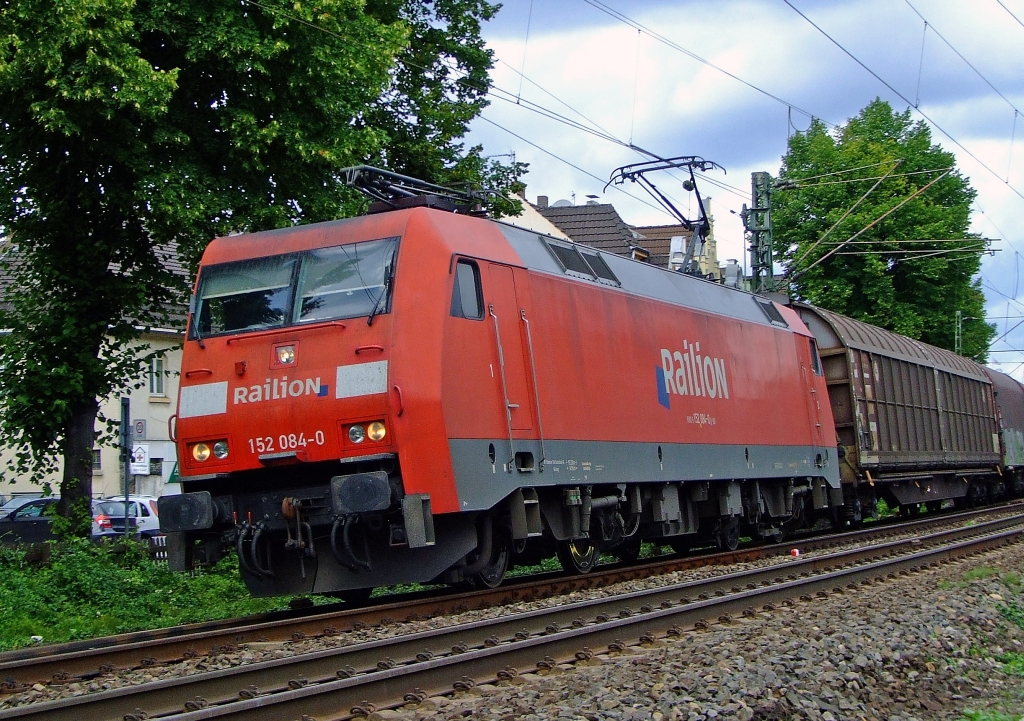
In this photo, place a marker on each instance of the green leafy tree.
(911, 288)
(131, 127)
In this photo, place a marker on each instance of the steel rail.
(87, 659)
(279, 677)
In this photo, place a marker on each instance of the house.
(600, 226)
(595, 224)
(152, 406)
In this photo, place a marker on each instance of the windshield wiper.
(195, 322)
(383, 293)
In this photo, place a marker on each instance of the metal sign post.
(126, 453)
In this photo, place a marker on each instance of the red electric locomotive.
(419, 395)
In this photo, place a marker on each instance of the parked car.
(15, 503)
(30, 521)
(142, 515)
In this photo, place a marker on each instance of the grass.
(1014, 613)
(1013, 663)
(990, 716)
(976, 574)
(85, 590)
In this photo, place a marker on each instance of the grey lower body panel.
(482, 484)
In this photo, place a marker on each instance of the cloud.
(598, 65)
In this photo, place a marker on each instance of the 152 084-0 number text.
(284, 442)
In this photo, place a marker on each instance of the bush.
(85, 590)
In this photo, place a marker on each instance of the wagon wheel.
(578, 556)
(493, 573)
(629, 550)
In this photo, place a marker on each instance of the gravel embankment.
(928, 646)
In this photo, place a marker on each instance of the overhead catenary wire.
(526, 46)
(959, 55)
(844, 216)
(898, 94)
(870, 225)
(622, 17)
(563, 160)
(488, 90)
(799, 183)
(1019, 21)
(920, 64)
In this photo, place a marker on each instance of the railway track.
(66, 663)
(351, 680)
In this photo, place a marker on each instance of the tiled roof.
(658, 240)
(177, 314)
(598, 226)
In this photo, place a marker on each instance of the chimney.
(542, 201)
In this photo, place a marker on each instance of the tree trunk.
(76, 485)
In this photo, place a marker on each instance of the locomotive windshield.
(345, 281)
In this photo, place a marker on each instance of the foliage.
(1014, 613)
(440, 83)
(989, 716)
(1013, 663)
(87, 590)
(135, 130)
(827, 172)
(982, 572)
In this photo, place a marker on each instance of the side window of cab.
(815, 358)
(467, 298)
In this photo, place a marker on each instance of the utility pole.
(126, 454)
(757, 221)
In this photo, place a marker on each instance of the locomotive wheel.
(577, 556)
(629, 550)
(493, 573)
(729, 535)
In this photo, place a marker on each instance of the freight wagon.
(915, 423)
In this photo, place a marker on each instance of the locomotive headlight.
(220, 449)
(200, 451)
(376, 431)
(285, 354)
(356, 434)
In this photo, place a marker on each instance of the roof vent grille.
(771, 312)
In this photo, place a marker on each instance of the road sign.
(139, 427)
(140, 460)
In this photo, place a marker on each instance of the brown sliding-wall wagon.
(915, 423)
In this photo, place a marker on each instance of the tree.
(911, 288)
(132, 126)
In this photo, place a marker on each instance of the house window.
(97, 460)
(156, 466)
(156, 377)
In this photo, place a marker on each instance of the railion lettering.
(686, 372)
(279, 388)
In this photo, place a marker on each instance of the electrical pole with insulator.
(757, 222)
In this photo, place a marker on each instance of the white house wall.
(155, 410)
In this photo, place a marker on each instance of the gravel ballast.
(928, 646)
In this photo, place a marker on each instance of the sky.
(767, 71)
